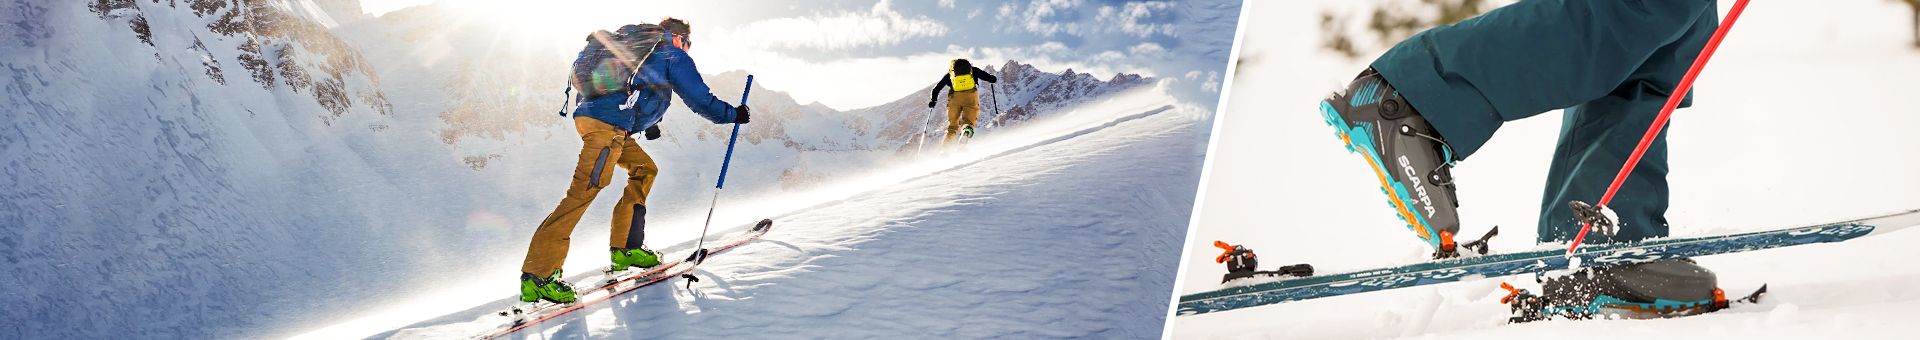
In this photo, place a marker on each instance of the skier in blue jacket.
(1435, 98)
(610, 112)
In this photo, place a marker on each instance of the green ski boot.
(637, 257)
(533, 288)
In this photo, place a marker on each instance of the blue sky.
(851, 54)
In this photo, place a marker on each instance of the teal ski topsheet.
(1499, 265)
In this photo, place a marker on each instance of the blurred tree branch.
(1397, 20)
(1915, 5)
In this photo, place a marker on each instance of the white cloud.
(1213, 82)
(946, 3)
(1128, 18)
(1148, 51)
(1050, 47)
(1193, 75)
(1107, 57)
(1049, 17)
(1036, 18)
(879, 26)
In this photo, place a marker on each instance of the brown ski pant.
(963, 108)
(604, 147)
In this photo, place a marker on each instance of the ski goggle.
(685, 41)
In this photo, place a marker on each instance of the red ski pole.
(1673, 101)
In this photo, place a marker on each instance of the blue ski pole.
(700, 252)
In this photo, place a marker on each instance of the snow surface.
(1796, 121)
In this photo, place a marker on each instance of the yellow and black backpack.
(962, 75)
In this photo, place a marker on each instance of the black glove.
(653, 132)
(931, 103)
(740, 114)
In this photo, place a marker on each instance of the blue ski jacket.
(667, 70)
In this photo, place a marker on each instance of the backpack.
(962, 75)
(607, 63)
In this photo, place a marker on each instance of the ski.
(1498, 265)
(523, 315)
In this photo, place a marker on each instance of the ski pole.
(994, 91)
(700, 252)
(1673, 101)
(923, 130)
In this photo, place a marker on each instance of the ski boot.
(1411, 160)
(966, 134)
(1241, 263)
(959, 144)
(552, 288)
(1649, 290)
(636, 257)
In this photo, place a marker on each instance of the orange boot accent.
(1447, 247)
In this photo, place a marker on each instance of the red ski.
(523, 316)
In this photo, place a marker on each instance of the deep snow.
(1776, 138)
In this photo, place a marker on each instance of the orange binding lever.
(1511, 293)
(1228, 250)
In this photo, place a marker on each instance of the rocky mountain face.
(273, 44)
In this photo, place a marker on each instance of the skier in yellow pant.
(963, 103)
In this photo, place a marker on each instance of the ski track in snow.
(1070, 238)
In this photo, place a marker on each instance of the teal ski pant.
(1610, 64)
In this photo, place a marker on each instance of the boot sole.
(1393, 189)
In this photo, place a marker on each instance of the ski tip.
(1222, 245)
(763, 224)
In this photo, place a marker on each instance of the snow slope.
(1773, 140)
(1067, 231)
